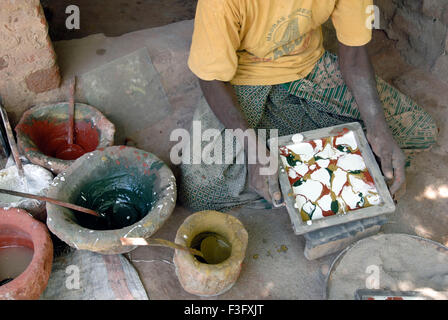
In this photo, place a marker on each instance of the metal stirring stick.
(11, 140)
(158, 242)
(51, 200)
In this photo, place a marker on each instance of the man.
(261, 64)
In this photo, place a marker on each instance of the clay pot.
(17, 227)
(203, 279)
(40, 125)
(9, 180)
(96, 166)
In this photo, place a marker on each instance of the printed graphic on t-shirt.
(286, 37)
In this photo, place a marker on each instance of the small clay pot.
(44, 128)
(17, 227)
(203, 279)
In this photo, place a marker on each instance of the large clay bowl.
(110, 169)
(18, 228)
(42, 129)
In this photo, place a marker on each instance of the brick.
(27, 59)
(43, 80)
(330, 240)
(3, 63)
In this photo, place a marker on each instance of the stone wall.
(27, 59)
(420, 29)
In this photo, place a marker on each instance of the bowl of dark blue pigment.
(133, 191)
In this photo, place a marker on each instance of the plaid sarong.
(320, 100)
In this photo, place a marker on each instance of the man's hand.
(223, 101)
(360, 78)
(392, 157)
(265, 185)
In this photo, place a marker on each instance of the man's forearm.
(359, 77)
(222, 100)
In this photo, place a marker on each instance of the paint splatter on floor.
(328, 176)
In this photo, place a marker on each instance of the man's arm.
(222, 100)
(359, 76)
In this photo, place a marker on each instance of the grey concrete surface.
(167, 48)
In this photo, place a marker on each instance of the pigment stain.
(282, 248)
(51, 138)
(121, 198)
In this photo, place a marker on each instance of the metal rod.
(12, 141)
(54, 201)
(71, 111)
(158, 242)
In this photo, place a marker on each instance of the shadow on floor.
(114, 17)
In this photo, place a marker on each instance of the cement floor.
(270, 271)
(267, 273)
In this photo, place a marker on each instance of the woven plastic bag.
(84, 275)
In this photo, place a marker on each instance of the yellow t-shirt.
(267, 42)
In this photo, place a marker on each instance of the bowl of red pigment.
(26, 255)
(42, 134)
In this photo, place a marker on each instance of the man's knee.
(417, 132)
(430, 130)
